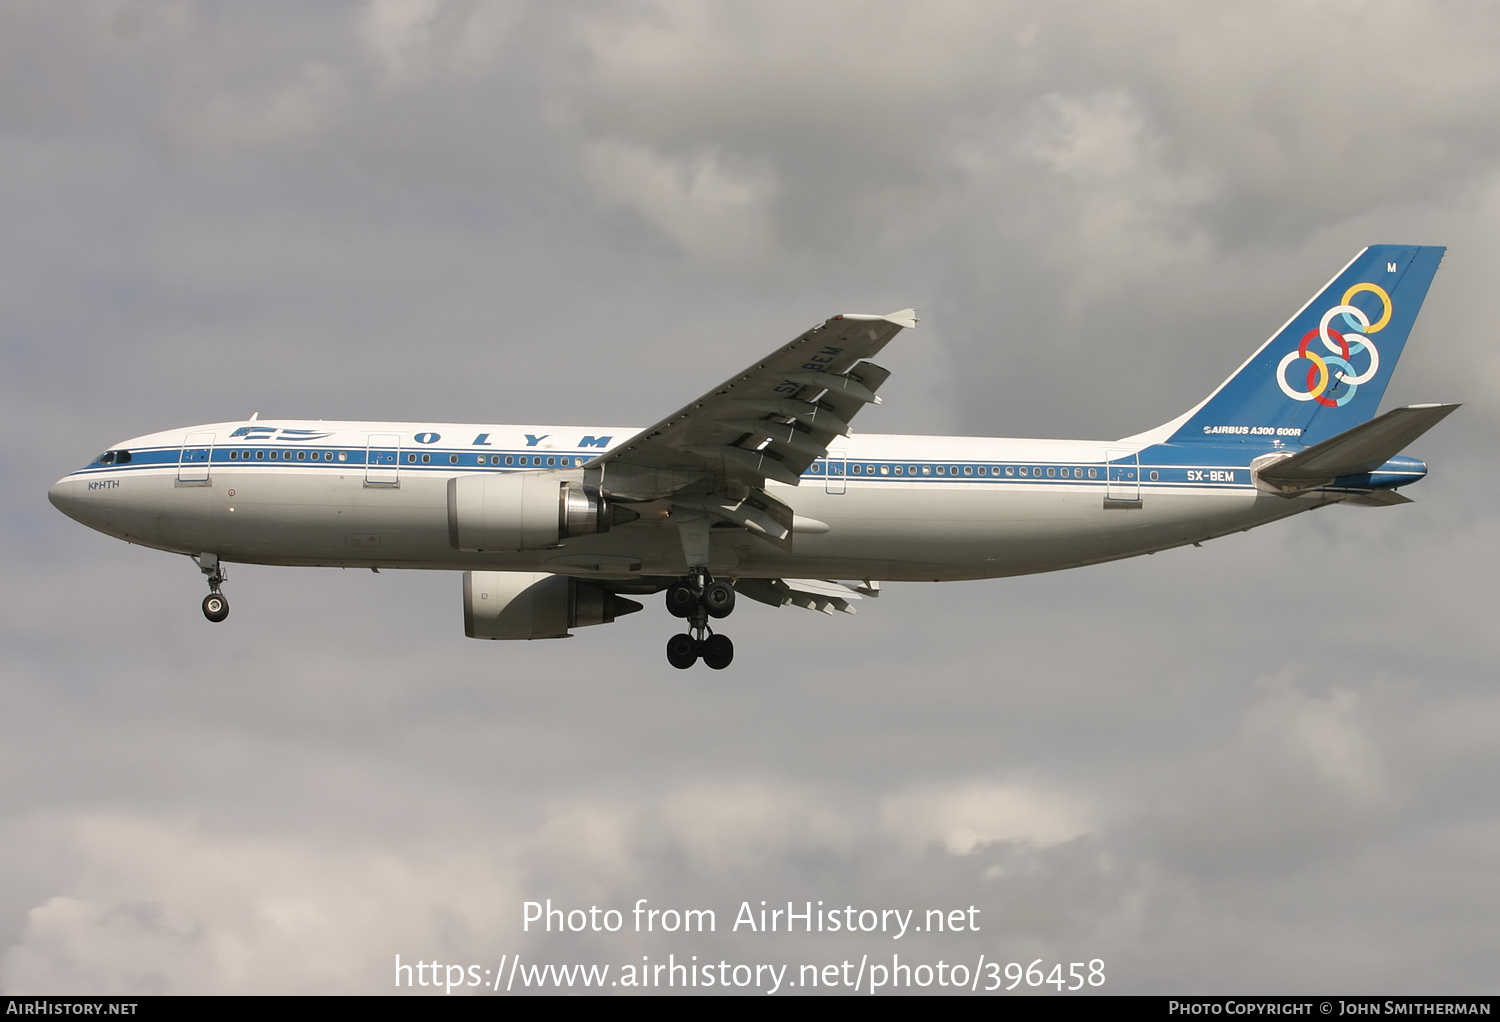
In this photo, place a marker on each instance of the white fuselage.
(363, 494)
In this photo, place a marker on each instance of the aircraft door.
(1124, 489)
(383, 460)
(834, 468)
(197, 455)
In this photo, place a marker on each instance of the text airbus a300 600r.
(758, 488)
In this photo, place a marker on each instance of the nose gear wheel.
(215, 604)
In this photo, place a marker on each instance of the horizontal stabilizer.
(1362, 449)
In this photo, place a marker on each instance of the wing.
(768, 423)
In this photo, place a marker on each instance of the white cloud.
(966, 818)
(292, 112)
(415, 40)
(166, 908)
(713, 209)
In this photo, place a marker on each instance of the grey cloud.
(1262, 765)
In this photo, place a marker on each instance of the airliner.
(760, 489)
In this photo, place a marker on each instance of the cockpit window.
(113, 458)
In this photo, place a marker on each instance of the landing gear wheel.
(682, 598)
(718, 599)
(718, 652)
(215, 607)
(682, 651)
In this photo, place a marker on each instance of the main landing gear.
(698, 598)
(215, 605)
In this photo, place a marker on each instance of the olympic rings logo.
(1335, 366)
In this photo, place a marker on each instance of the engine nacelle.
(522, 511)
(535, 605)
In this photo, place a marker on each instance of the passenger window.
(1093, 473)
(983, 470)
(233, 455)
(453, 459)
(551, 462)
(897, 470)
(411, 459)
(885, 470)
(343, 455)
(1154, 475)
(858, 469)
(301, 455)
(1009, 470)
(968, 470)
(427, 459)
(941, 469)
(816, 469)
(927, 470)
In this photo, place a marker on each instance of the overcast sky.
(1269, 764)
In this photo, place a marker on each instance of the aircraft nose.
(62, 496)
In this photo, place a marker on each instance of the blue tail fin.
(1326, 370)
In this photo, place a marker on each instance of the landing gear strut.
(698, 598)
(215, 605)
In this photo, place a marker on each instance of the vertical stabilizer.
(1326, 369)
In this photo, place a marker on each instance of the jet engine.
(535, 605)
(524, 511)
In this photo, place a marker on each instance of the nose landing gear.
(697, 599)
(215, 604)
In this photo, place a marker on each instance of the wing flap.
(817, 594)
